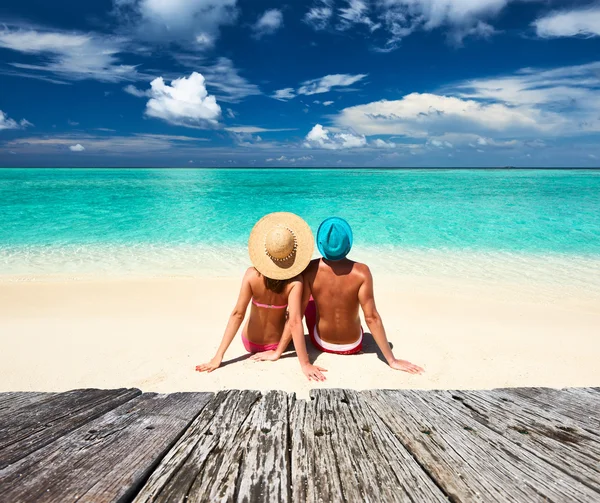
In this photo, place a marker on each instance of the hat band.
(292, 253)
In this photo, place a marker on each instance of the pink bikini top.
(268, 306)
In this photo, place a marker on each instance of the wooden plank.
(13, 401)
(468, 461)
(235, 451)
(545, 434)
(341, 451)
(108, 458)
(583, 410)
(44, 419)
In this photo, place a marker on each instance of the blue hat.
(334, 238)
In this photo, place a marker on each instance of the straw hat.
(280, 245)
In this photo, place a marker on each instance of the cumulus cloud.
(570, 23)
(268, 23)
(320, 137)
(319, 86)
(419, 115)
(185, 102)
(379, 143)
(7, 123)
(69, 55)
(77, 148)
(176, 20)
(327, 103)
(508, 111)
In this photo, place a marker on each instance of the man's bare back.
(335, 287)
(339, 288)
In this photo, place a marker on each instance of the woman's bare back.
(265, 324)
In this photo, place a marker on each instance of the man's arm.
(366, 297)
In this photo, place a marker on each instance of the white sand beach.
(59, 334)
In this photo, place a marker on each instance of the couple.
(284, 283)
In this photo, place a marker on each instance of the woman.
(280, 248)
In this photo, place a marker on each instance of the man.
(334, 290)
(339, 287)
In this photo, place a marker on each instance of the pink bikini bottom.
(251, 347)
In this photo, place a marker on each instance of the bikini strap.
(268, 306)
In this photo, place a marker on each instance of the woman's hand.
(406, 366)
(266, 356)
(313, 372)
(214, 364)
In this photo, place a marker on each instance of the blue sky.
(301, 83)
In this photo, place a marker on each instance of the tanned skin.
(267, 326)
(340, 288)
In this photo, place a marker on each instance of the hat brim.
(281, 269)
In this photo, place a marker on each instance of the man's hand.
(266, 356)
(214, 364)
(313, 372)
(406, 366)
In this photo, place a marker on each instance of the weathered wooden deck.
(380, 446)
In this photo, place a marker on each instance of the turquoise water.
(89, 212)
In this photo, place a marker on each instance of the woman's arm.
(366, 298)
(295, 305)
(233, 325)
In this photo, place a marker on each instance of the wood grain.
(108, 458)
(39, 420)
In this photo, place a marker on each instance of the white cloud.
(70, 55)
(231, 114)
(291, 160)
(320, 137)
(319, 86)
(268, 23)
(284, 94)
(77, 148)
(134, 91)
(255, 129)
(7, 123)
(227, 83)
(185, 102)
(511, 111)
(319, 15)
(325, 84)
(379, 143)
(176, 20)
(400, 18)
(570, 23)
(441, 144)
(356, 12)
(419, 115)
(327, 103)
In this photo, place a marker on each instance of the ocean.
(195, 222)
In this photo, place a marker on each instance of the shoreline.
(151, 332)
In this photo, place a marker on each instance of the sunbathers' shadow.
(236, 360)
(370, 346)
